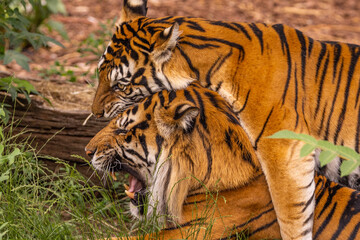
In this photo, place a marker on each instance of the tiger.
(273, 76)
(163, 144)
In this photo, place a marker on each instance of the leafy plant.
(14, 86)
(329, 150)
(20, 22)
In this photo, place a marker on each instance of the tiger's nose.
(90, 153)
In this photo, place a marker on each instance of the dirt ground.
(336, 20)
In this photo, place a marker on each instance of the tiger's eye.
(121, 87)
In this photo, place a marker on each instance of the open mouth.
(136, 190)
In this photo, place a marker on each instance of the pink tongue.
(135, 185)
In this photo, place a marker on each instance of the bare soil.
(335, 20)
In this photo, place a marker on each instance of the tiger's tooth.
(130, 194)
(126, 186)
(112, 174)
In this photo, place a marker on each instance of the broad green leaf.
(4, 176)
(20, 59)
(326, 157)
(348, 153)
(56, 6)
(28, 87)
(307, 149)
(286, 134)
(12, 156)
(326, 145)
(347, 167)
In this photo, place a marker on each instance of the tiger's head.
(174, 143)
(131, 66)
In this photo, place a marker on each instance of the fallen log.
(56, 130)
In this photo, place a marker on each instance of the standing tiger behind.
(273, 76)
(164, 132)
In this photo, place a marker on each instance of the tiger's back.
(273, 76)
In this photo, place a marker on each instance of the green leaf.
(326, 157)
(4, 176)
(286, 134)
(348, 153)
(307, 149)
(12, 156)
(20, 59)
(56, 6)
(347, 167)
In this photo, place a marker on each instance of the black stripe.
(134, 153)
(331, 192)
(296, 97)
(188, 60)
(197, 222)
(337, 54)
(264, 227)
(326, 136)
(199, 46)
(228, 135)
(263, 128)
(280, 30)
(244, 105)
(172, 96)
(159, 141)
(223, 24)
(320, 58)
(142, 140)
(322, 119)
(303, 56)
(355, 232)
(146, 48)
(195, 26)
(258, 33)
(179, 114)
(351, 210)
(311, 44)
(357, 95)
(247, 223)
(202, 118)
(162, 99)
(355, 53)
(212, 71)
(147, 102)
(137, 74)
(188, 96)
(207, 146)
(321, 86)
(242, 29)
(157, 81)
(219, 40)
(326, 222)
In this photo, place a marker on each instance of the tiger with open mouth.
(173, 161)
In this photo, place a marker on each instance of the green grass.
(37, 203)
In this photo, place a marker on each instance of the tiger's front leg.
(291, 185)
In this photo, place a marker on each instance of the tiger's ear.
(165, 43)
(133, 9)
(180, 116)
